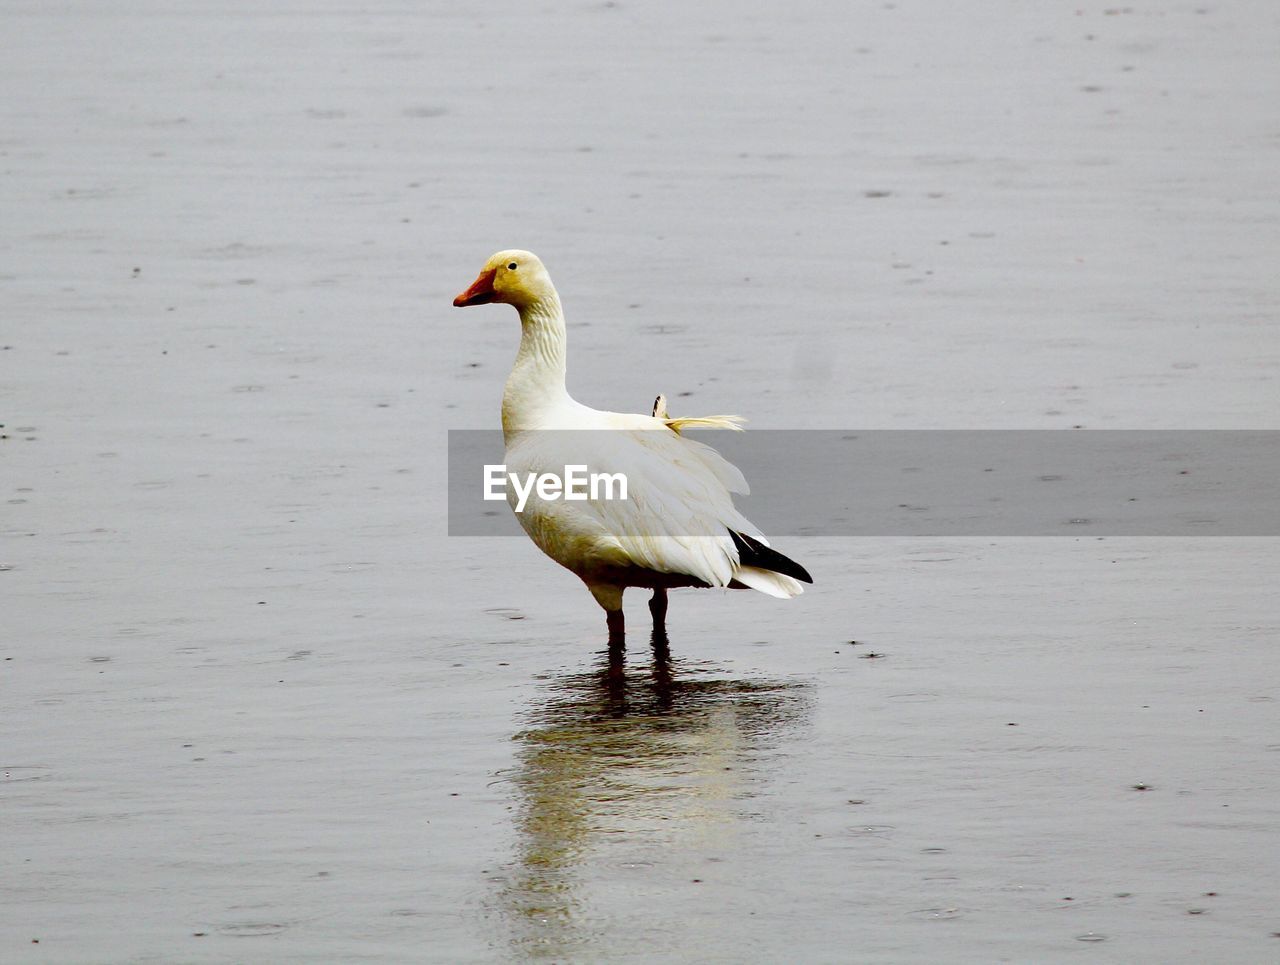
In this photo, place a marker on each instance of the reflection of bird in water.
(625, 770)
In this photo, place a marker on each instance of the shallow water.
(259, 707)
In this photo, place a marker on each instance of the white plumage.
(676, 526)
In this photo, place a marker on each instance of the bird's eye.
(512, 266)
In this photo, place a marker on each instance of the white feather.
(677, 514)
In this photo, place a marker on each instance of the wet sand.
(260, 708)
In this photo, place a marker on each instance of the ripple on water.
(15, 773)
(872, 830)
(252, 929)
(507, 613)
(936, 914)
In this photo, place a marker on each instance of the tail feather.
(767, 581)
(678, 425)
(753, 553)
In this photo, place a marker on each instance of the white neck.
(536, 382)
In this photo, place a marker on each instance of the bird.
(678, 525)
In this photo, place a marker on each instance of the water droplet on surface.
(872, 830)
(1091, 936)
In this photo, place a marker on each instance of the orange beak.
(480, 292)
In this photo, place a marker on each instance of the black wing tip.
(752, 552)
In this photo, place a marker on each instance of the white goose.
(678, 525)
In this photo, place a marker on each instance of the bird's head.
(512, 277)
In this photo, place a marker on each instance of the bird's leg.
(617, 627)
(658, 607)
(661, 648)
(610, 599)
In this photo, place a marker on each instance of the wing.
(677, 515)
